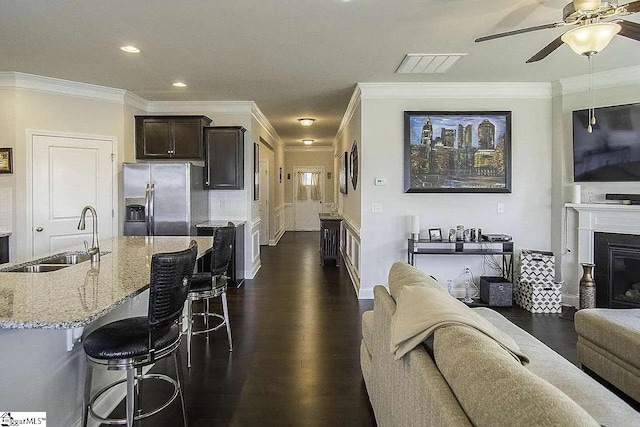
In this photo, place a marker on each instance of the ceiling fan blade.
(630, 29)
(523, 30)
(632, 7)
(546, 50)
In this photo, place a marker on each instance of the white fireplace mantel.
(603, 218)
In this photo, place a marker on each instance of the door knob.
(39, 229)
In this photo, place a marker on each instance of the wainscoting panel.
(255, 248)
(350, 243)
(289, 222)
(279, 223)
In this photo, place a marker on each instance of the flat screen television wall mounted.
(611, 153)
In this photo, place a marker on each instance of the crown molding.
(198, 107)
(354, 102)
(455, 90)
(257, 114)
(297, 149)
(136, 101)
(60, 87)
(602, 80)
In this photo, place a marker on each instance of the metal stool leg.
(87, 393)
(178, 361)
(138, 384)
(226, 319)
(189, 330)
(206, 316)
(130, 401)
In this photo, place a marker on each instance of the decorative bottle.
(587, 286)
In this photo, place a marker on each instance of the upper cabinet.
(224, 158)
(170, 137)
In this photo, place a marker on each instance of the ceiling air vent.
(415, 63)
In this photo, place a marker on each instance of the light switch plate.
(381, 181)
(376, 208)
(500, 208)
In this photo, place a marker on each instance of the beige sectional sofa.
(462, 377)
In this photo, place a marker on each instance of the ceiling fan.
(595, 27)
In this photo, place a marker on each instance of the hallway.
(296, 361)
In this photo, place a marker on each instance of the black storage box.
(496, 291)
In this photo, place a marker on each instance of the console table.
(428, 247)
(330, 237)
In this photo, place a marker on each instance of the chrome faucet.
(94, 250)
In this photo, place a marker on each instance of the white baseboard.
(256, 268)
(571, 299)
(279, 234)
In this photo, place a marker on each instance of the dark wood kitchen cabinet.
(224, 158)
(170, 137)
(4, 249)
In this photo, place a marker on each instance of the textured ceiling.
(295, 58)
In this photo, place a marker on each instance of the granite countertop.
(220, 223)
(329, 216)
(79, 294)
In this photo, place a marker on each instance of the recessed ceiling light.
(179, 84)
(130, 49)
(308, 141)
(306, 121)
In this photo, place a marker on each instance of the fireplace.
(617, 271)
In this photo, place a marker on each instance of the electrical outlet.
(376, 208)
(500, 208)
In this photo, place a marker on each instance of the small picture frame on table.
(435, 235)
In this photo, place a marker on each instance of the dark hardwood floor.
(296, 334)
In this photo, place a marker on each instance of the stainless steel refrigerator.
(163, 199)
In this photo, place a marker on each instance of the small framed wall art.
(344, 173)
(256, 171)
(6, 160)
(354, 164)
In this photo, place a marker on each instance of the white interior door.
(69, 173)
(264, 202)
(306, 209)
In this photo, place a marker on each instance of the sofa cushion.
(494, 389)
(607, 408)
(403, 274)
(617, 331)
(367, 328)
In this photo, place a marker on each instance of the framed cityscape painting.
(457, 151)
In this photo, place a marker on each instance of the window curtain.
(302, 187)
(314, 188)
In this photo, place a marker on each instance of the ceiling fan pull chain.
(592, 114)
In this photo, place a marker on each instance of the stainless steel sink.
(35, 268)
(68, 258)
(50, 263)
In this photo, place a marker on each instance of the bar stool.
(133, 343)
(213, 284)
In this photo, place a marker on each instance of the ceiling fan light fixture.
(306, 121)
(591, 38)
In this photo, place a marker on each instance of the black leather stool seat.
(201, 282)
(127, 338)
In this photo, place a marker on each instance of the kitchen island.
(43, 314)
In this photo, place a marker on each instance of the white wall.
(527, 214)
(61, 113)
(613, 88)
